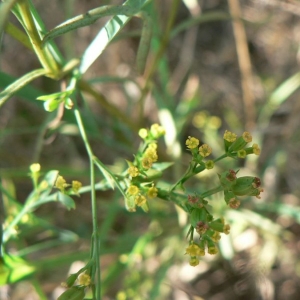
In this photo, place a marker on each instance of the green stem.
(211, 192)
(188, 174)
(45, 57)
(10, 228)
(95, 252)
(220, 157)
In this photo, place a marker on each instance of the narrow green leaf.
(100, 42)
(4, 11)
(89, 18)
(19, 35)
(58, 95)
(285, 89)
(106, 173)
(19, 83)
(28, 92)
(144, 43)
(109, 176)
(121, 15)
(162, 166)
(280, 94)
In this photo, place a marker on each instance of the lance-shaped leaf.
(4, 11)
(122, 15)
(19, 83)
(89, 18)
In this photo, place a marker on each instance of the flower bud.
(228, 179)
(198, 215)
(143, 133)
(70, 280)
(157, 131)
(211, 247)
(247, 186)
(194, 261)
(217, 225)
(130, 204)
(209, 164)
(241, 142)
(51, 105)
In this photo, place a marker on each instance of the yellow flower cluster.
(139, 189)
(194, 250)
(139, 195)
(204, 150)
(155, 132)
(236, 146)
(61, 184)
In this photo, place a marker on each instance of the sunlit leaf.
(19, 83)
(66, 200)
(14, 269)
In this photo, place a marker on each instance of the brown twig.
(244, 62)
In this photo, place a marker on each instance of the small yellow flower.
(194, 250)
(151, 153)
(147, 162)
(152, 146)
(143, 133)
(35, 168)
(133, 190)
(216, 236)
(133, 171)
(192, 142)
(152, 192)
(76, 186)
(247, 137)
(242, 153)
(194, 261)
(157, 131)
(212, 250)
(209, 164)
(229, 136)
(226, 228)
(61, 183)
(84, 279)
(205, 150)
(256, 149)
(140, 200)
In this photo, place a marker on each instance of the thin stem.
(83, 134)
(220, 157)
(43, 54)
(95, 252)
(96, 244)
(211, 192)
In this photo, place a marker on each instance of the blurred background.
(205, 74)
